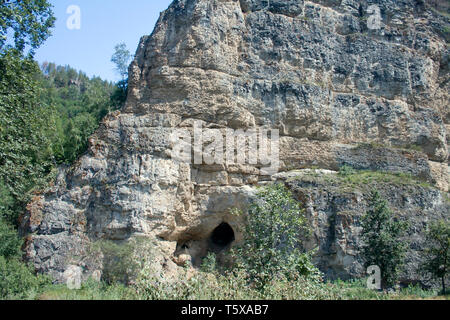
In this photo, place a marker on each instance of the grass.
(356, 290)
(90, 290)
(304, 18)
(447, 197)
(354, 179)
(366, 177)
(413, 147)
(374, 145)
(337, 290)
(442, 13)
(446, 32)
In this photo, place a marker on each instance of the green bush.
(17, 280)
(272, 247)
(118, 260)
(9, 241)
(209, 263)
(229, 285)
(345, 171)
(417, 291)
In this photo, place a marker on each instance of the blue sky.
(104, 23)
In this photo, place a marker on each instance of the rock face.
(342, 84)
(335, 208)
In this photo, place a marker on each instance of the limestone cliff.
(339, 90)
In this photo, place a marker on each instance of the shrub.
(275, 227)
(17, 280)
(120, 260)
(209, 263)
(345, 171)
(151, 284)
(230, 285)
(9, 241)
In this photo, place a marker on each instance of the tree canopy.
(382, 243)
(437, 254)
(25, 23)
(121, 59)
(275, 228)
(26, 128)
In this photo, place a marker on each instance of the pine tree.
(382, 244)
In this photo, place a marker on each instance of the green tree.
(437, 254)
(18, 281)
(121, 260)
(121, 59)
(382, 244)
(78, 132)
(28, 21)
(272, 248)
(81, 103)
(9, 241)
(26, 130)
(119, 95)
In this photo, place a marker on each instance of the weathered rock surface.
(340, 94)
(335, 207)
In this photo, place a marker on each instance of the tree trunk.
(443, 285)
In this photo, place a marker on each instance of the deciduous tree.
(25, 23)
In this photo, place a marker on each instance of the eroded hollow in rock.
(194, 250)
(222, 236)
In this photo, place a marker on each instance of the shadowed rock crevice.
(193, 251)
(221, 238)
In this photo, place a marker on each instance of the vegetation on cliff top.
(349, 178)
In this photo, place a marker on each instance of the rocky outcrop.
(340, 93)
(335, 205)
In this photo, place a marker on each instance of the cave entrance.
(222, 236)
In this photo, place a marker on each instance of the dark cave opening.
(222, 236)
